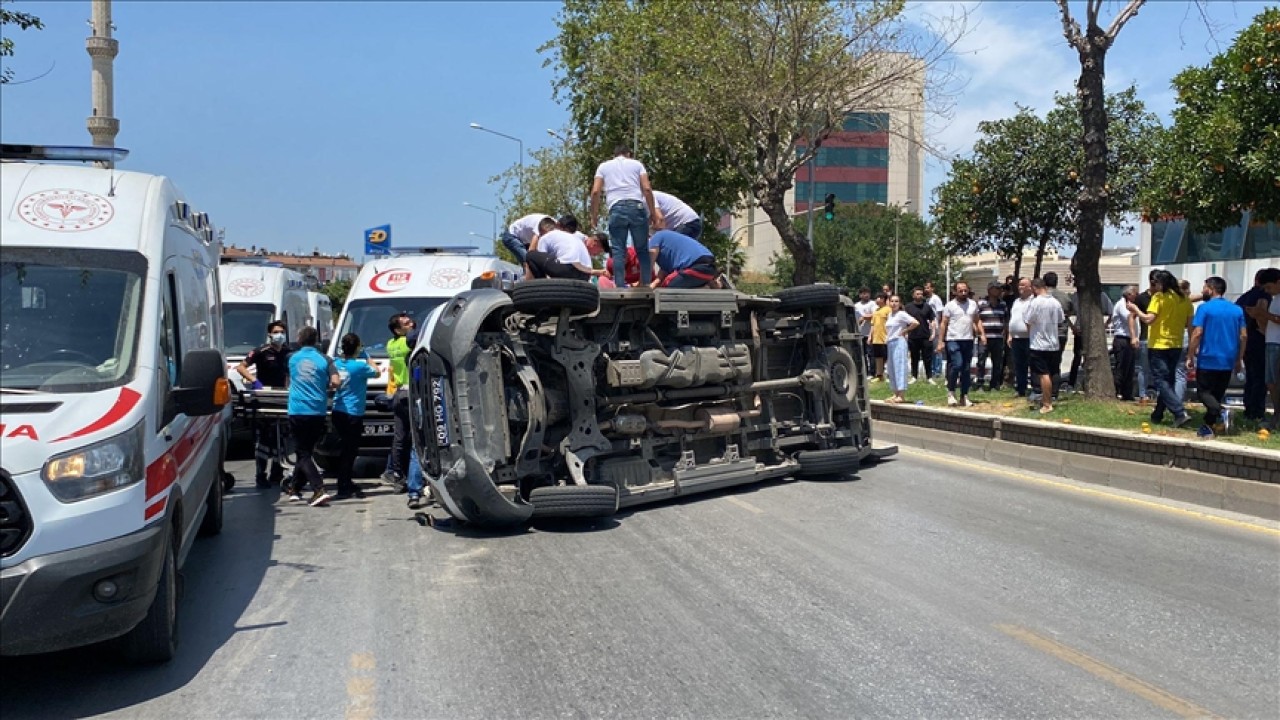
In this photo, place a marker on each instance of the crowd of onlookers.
(1162, 339)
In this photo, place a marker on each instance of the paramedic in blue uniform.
(354, 370)
(311, 376)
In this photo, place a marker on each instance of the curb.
(1151, 466)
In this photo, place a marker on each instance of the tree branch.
(1070, 28)
(1125, 15)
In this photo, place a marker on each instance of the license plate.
(379, 429)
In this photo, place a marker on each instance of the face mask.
(277, 339)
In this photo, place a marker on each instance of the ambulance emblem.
(66, 210)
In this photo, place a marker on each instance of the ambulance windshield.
(369, 319)
(69, 319)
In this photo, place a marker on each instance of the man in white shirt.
(956, 335)
(1043, 317)
(1019, 337)
(936, 303)
(519, 235)
(863, 310)
(678, 216)
(558, 254)
(631, 209)
(1124, 343)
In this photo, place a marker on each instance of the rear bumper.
(47, 603)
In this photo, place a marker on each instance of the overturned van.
(555, 399)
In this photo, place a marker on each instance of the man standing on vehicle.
(400, 325)
(677, 215)
(1216, 351)
(271, 365)
(682, 261)
(311, 377)
(629, 199)
(520, 234)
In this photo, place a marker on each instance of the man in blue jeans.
(959, 327)
(629, 199)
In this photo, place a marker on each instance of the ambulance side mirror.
(202, 384)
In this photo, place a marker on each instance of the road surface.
(928, 587)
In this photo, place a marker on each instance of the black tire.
(808, 296)
(212, 523)
(827, 463)
(155, 639)
(574, 501)
(555, 294)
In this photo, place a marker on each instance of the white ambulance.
(255, 293)
(320, 315)
(112, 402)
(415, 281)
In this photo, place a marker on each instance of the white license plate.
(379, 429)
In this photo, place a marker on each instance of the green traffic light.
(830, 216)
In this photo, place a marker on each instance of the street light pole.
(520, 179)
(494, 213)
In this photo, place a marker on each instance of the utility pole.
(102, 49)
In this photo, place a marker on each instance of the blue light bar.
(62, 152)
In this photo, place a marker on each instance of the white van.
(254, 293)
(320, 315)
(112, 402)
(415, 280)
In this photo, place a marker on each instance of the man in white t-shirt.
(956, 333)
(936, 303)
(1019, 337)
(631, 210)
(1043, 317)
(520, 234)
(677, 215)
(558, 254)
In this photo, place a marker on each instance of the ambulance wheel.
(212, 523)
(155, 639)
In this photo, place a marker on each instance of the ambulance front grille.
(15, 523)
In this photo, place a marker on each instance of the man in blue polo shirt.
(682, 261)
(1217, 349)
(311, 377)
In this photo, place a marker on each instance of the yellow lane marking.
(744, 505)
(1254, 527)
(360, 688)
(1119, 678)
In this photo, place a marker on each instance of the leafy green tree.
(1222, 154)
(856, 249)
(337, 290)
(1019, 188)
(747, 89)
(21, 20)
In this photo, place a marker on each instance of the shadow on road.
(220, 578)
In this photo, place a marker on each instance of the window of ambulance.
(244, 326)
(368, 318)
(69, 318)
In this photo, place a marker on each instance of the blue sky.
(297, 125)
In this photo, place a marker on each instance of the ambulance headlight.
(98, 468)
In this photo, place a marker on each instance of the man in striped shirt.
(992, 313)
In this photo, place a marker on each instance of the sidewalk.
(1236, 478)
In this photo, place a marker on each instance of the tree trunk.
(1040, 248)
(806, 262)
(1017, 267)
(1093, 210)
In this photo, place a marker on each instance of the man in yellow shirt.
(879, 334)
(1168, 317)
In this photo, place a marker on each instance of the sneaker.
(390, 478)
(349, 494)
(1225, 420)
(931, 381)
(1205, 432)
(912, 381)
(261, 481)
(319, 498)
(1157, 418)
(415, 501)
(965, 401)
(1181, 420)
(951, 400)
(295, 497)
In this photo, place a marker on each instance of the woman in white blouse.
(897, 327)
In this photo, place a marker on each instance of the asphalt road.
(925, 588)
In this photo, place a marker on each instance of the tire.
(574, 501)
(155, 639)
(212, 523)
(808, 296)
(553, 293)
(827, 463)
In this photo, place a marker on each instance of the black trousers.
(993, 348)
(1211, 386)
(1255, 381)
(349, 428)
(401, 443)
(308, 431)
(266, 452)
(921, 351)
(1126, 365)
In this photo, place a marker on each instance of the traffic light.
(830, 207)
